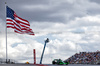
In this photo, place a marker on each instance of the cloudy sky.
(71, 25)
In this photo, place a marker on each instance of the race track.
(45, 65)
(74, 65)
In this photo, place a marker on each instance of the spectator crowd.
(85, 58)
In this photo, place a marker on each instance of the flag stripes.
(15, 22)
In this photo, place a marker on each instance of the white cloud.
(63, 46)
(77, 31)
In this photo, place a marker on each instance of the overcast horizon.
(72, 26)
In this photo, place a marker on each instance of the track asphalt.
(45, 65)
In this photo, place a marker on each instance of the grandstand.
(85, 58)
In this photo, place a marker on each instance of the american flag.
(19, 25)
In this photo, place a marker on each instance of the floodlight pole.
(46, 41)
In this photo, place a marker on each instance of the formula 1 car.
(59, 62)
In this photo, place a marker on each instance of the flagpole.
(6, 36)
